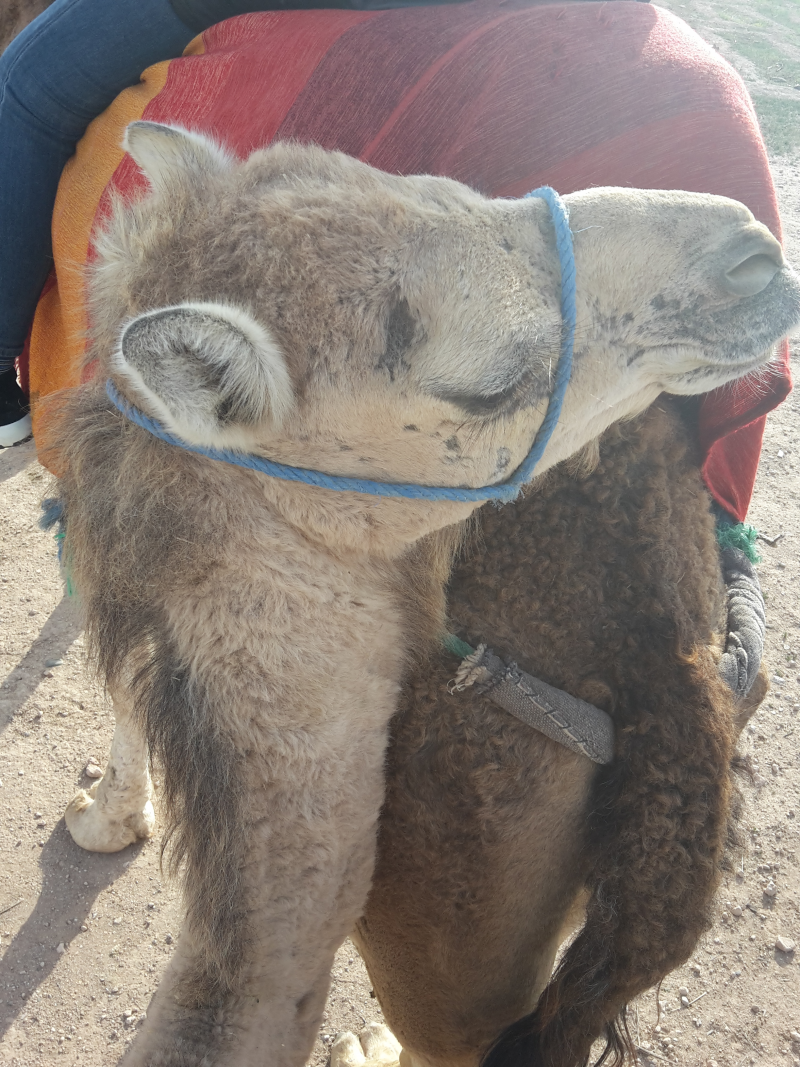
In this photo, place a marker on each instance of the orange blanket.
(501, 96)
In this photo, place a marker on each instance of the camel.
(513, 935)
(255, 633)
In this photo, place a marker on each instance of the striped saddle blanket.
(502, 95)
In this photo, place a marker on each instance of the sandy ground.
(84, 938)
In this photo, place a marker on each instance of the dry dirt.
(84, 938)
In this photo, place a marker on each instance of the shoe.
(15, 419)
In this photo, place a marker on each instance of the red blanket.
(501, 96)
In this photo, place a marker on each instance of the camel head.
(304, 306)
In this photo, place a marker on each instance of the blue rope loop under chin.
(504, 491)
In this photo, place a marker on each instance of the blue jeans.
(55, 78)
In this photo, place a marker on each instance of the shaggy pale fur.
(259, 630)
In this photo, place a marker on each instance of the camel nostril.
(754, 259)
(752, 274)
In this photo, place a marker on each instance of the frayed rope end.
(739, 535)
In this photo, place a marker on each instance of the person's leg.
(60, 73)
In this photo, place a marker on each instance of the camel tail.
(661, 817)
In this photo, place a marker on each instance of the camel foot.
(94, 828)
(375, 1046)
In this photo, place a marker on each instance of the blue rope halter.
(504, 491)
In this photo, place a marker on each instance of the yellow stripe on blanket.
(58, 337)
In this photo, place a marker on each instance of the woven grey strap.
(579, 726)
(747, 622)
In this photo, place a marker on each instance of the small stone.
(61, 948)
(20, 773)
(84, 927)
(695, 967)
(168, 939)
(117, 922)
(770, 890)
(683, 991)
(755, 1009)
(795, 1035)
(91, 770)
(53, 662)
(784, 944)
(776, 769)
(684, 1002)
(736, 911)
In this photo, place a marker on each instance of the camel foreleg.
(116, 810)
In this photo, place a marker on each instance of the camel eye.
(517, 378)
(481, 404)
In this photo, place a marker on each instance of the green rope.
(59, 537)
(457, 646)
(739, 535)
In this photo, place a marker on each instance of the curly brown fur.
(607, 586)
(658, 828)
(659, 814)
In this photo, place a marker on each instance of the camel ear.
(164, 152)
(209, 372)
